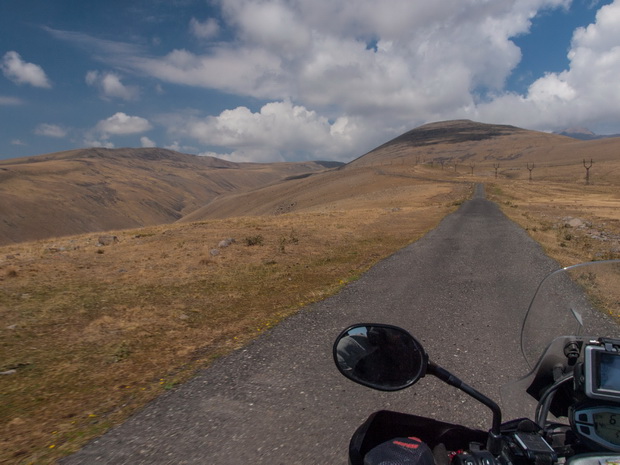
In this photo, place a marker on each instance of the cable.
(544, 404)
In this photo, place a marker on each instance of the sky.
(297, 80)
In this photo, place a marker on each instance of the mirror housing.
(382, 357)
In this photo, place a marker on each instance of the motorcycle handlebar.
(444, 375)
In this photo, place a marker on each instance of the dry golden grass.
(88, 190)
(556, 195)
(572, 221)
(94, 332)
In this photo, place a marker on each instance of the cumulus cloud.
(179, 147)
(273, 25)
(98, 143)
(586, 93)
(21, 72)
(425, 54)
(176, 146)
(146, 142)
(279, 131)
(405, 63)
(110, 85)
(122, 124)
(342, 77)
(50, 130)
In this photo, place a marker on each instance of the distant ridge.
(583, 134)
(91, 190)
(101, 153)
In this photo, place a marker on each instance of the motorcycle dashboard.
(602, 372)
(600, 425)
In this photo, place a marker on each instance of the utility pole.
(587, 167)
(530, 169)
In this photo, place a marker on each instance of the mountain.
(583, 134)
(461, 141)
(419, 155)
(89, 190)
(93, 190)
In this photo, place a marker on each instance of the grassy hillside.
(103, 189)
(466, 143)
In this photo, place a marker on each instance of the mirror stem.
(494, 445)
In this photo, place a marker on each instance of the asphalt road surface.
(461, 290)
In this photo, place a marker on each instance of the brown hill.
(97, 189)
(420, 155)
(100, 189)
(464, 142)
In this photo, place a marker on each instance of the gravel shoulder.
(461, 290)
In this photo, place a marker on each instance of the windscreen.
(580, 302)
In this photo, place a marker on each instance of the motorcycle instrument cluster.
(602, 371)
(601, 425)
(597, 419)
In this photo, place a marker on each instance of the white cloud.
(247, 71)
(110, 85)
(122, 124)
(174, 146)
(50, 130)
(279, 131)
(98, 143)
(273, 25)
(429, 56)
(344, 76)
(18, 142)
(10, 101)
(381, 70)
(206, 30)
(146, 142)
(178, 147)
(585, 94)
(21, 72)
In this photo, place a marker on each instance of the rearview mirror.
(382, 357)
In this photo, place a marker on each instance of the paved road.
(461, 290)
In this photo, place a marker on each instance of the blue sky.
(289, 80)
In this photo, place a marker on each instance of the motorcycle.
(570, 339)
